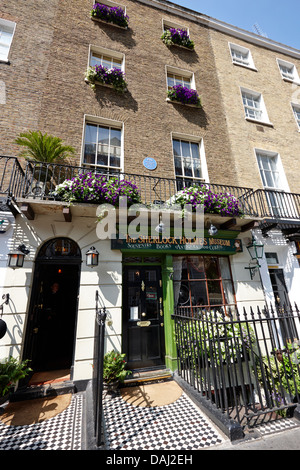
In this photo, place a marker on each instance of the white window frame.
(11, 26)
(106, 52)
(278, 199)
(242, 50)
(203, 164)
(294, 73)
(296, 110)
(182, 73)
(257, 98)
(97, 120)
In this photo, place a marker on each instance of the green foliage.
(43, 147)
(114, 367)
(11, 370)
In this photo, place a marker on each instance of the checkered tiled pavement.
(178, 426)
(62, 432)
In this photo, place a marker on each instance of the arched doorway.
(50, 331)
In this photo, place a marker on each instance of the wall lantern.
(16, 257)
(92, 257)
(256, 252)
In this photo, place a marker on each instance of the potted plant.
(184, 95)
(114, 371)
(42, 150)
(178, 37)
(112, 77)
(11, 370)
(114, 15)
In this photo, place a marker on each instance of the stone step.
(42, 391)
(139, 376)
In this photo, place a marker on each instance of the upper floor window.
(288, 71)
(189, 168)
(241, 56)
(106, 58)
(7, 29)
(254, 106)
(103, 147)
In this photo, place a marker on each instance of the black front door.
(143, 321)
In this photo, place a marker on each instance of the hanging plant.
(115, 15)
(184, 95)
(113, 77)
(178, 37)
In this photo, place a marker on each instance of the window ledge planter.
(177, 37)
(184, 104)
(112, 78)
(184, 95)
(110, 15)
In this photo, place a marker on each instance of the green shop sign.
(176, 245)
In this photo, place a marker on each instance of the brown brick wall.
(283, 137)
(47, 89)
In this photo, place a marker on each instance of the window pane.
(91, 133)
(228, 292)
(195, 150)
(178, 168)
(102, 159)
(115, 137)
(103, 135)
(170, 81)
(196, 268)
(197, 169)
(187, 165)
(89, 153)
(211, 268)
(115, 161)
(176, 147)
(215, 293)
(185, 147)
(224, 268)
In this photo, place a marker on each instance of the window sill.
(107, 85)
(245, 66)
(257, 121)
(4, 61)
(183, 104)
(98, 20)
(181, 47)
(289, 80)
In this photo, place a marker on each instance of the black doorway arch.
(52, 316)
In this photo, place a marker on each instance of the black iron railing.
(38, 181)
(97, 382)
(247, 365)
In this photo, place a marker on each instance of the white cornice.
(226, 28)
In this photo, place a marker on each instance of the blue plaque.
(150, 163)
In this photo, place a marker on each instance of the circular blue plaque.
(150, 163)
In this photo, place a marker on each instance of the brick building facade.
(44, 88)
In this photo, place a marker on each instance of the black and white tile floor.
(178, 426)
(62, 432)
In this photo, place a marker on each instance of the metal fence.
(246, 364)
(97, 382)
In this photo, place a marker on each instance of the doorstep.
(143, 375)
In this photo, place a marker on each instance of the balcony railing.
(37, 181)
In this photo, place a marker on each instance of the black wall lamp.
(256, 252)
(92, 257)
(16, 257)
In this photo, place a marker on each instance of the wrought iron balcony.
(33, 182)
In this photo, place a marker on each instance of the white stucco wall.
(106, 278)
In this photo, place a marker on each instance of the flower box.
(109, 14)
(184, 95)
(96, 188)
(224, 204)
(113, 77)
(177, 37)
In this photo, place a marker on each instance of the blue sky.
(278, 19)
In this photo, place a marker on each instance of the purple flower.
(114, 15)
(184, 95)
